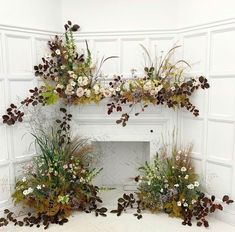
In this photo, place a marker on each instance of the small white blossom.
(25, 192)
(24, 179)
(107, 93)
(69, 90)
(80, 92)
(179, 203)
(196, 184)
(96, 88)
(57, 51)
(177, 157)
(88, 92)
(161, 190)
(72, 83)
(183, 169)
(186, 177)
(59, 86)
(176, 185)
(65, 166)
(190, 186)
(185, 204)
(39, 187)
(194, 201)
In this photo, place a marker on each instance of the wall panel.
(213, 47)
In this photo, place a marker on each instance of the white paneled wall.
(212, 49)
(209, 48)
(19, 51)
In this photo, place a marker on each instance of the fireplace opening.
(120, 162)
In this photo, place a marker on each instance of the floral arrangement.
(75, 79)
(170, 185)
(58, 181)
(164, 84)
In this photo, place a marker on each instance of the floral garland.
(74, 79)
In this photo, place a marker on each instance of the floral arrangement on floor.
(170, 185)
(59, 181)
(75, 79)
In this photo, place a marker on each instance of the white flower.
(152, 92)
(25, 192)
(39, 187)
(161, 190)
(183, 169)
(72, 83)
(24, 179)
(70, 73)
(186, 177)
(179, 152)
(185, 204)
(80, 92)
(118, 89)
(176, 185)
(88, 92)
(69, 90)
(196, 184)
(62, 67)
(158, 88)
(190, 186)
(179, 203)
(163, 75)
(55, 173)
(177, 157)
(149, 182)
(85, 81)
(96, 88)
(166, 185)
(59, 86)
(65, 166)
(43, 185)
(57, 51)
(107, 93)
(194, 201)
(147, 86)
(173, 88)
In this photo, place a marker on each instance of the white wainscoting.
(210, 48)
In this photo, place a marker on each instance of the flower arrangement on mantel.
(171, 185)
(74, 79)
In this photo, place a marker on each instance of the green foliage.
(170, 184)
(60, 178)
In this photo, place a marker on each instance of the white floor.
(82, 222)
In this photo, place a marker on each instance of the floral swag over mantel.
(76, 80)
